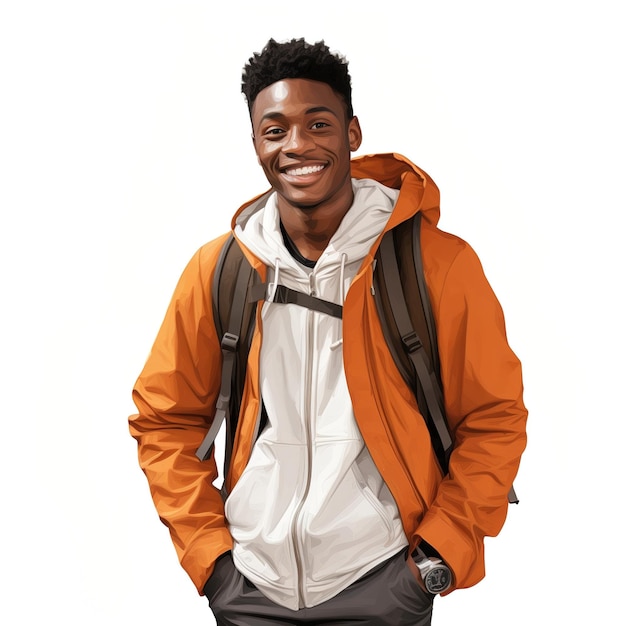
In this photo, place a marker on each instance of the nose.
(297, 141)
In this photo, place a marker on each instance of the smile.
(303, 171)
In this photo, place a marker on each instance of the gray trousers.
(388, 595)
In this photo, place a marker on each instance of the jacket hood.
(418, 191)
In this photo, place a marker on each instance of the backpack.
(404, 310)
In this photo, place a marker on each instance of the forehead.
(295, 96)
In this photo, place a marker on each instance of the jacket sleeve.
(483, 398)
(175, 396)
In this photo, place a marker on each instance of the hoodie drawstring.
(344, 257)
(274, 285)
(342, 295)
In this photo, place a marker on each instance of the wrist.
(435, 574)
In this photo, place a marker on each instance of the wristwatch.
(435, 573)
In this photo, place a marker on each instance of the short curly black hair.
(296, 59)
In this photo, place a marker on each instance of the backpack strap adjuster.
(412, 342)
(229, 342)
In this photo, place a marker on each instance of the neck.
(312, 227)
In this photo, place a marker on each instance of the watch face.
(438, 579)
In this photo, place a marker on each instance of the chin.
(307, 204)
(304, 201)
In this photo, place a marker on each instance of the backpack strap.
(231, 310)
(416, 248)
(285, 295)
(425, 382)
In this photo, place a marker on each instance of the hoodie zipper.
(308, 429)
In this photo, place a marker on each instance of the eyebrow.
(320, 109)
(273, 115)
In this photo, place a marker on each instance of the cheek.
(268, 154)
(341, 146)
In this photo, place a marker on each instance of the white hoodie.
(311, 513)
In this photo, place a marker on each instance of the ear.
(355, 136)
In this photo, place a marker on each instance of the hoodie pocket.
(369, 494)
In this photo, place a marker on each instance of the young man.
(330, 497)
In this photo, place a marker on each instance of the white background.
(125, 145)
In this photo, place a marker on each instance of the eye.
(274, 131)
(319, 125)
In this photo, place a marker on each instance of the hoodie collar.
(258, 228)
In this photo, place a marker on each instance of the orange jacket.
(178, 387)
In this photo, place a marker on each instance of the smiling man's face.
(303, 140)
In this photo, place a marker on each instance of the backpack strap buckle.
(412, 342)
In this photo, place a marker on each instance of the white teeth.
(302, 171)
